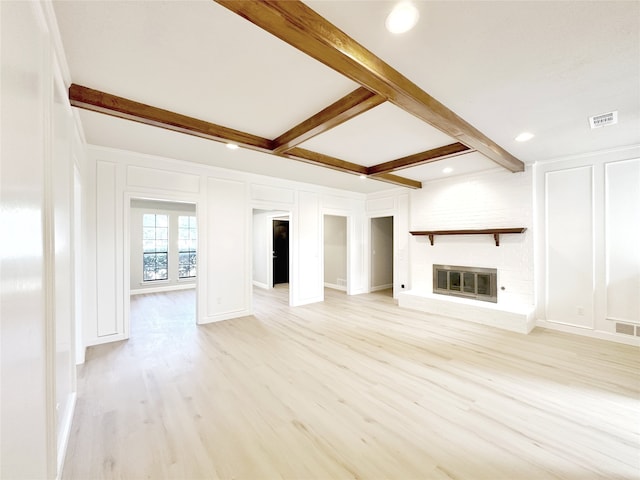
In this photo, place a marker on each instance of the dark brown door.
(280, 251)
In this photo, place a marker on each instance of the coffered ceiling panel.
(379, 135)
(473, 162)
(198, 59)
(497, 67)
(104, 130)
(513, 66)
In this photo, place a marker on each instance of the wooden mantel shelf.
(496, 232)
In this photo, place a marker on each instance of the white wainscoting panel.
(380, 204)
(165, 180)
(569, 247)
(265, 193)
(228, 272)
(308, 232)
(622, 217)
(106, 231)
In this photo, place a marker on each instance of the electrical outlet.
(580, 311)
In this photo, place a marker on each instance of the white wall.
(37, 271)
(225, 202)
(173, 210)
(335, 252)
(589, 243)
(491, 199)
(381, 253)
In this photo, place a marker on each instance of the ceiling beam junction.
(303, 28)
(101, 102)
(349, 106)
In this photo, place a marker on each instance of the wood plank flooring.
(352, 388)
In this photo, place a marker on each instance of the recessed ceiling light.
(232, 146)
(447, 170)
(402, 18)
(524, 137)
(363, 177)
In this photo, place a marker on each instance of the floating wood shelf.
(496, 232)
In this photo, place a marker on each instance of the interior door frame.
(160, 197)
(271, 275)
(370, 249)
(346, 215)
(278, 210)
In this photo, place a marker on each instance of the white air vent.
(603, 120)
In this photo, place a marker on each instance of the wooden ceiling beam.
(433, 155)
(322, 160)
(397, 180)
(349, 106)
(101, 102)
(120, 107)
(309, 32)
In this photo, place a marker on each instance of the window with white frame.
(187, 245)
(155, 247)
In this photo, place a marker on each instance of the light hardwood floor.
(351, 388)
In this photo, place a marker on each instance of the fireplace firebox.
(469, 282)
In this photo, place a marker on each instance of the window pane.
(149, 233)
(183, 222)
(442, 279)
(483, 284)
(469, 284)
(454, 281)
(162, 221)
(149, 246)
(154, 245)
(162, 233)
(148, 220)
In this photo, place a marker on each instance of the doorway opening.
(381, 276)
(163, 265)
(280, 231)
(335, 252)
(271, 248)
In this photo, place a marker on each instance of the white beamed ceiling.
(505, 67)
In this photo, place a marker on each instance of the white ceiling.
(505, 67)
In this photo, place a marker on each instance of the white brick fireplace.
(495, 199)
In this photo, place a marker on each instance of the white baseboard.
(219, 317)
(260, 285)
(164, 288)
(335, 287)
(587, 332)
(381, 287)
(63, 436)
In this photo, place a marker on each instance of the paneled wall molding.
(622, 240)
(589, 158)
(610, 209)
(178, 165)
(164, 179)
